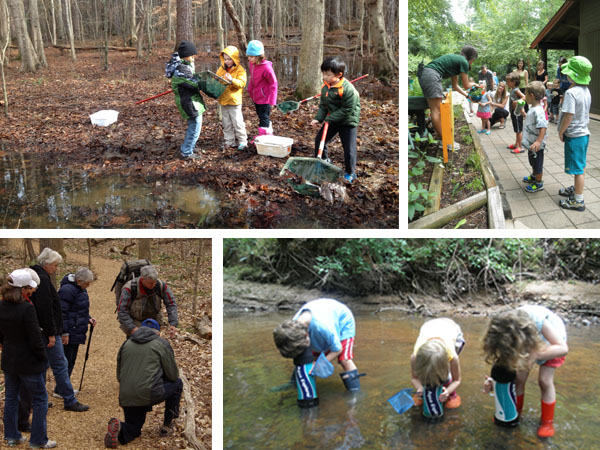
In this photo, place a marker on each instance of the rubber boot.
(453, 402)
(505, 398)
(418, 400)
(433, 408)
(351, 379)
(520, 400)
(305, 382)
(546, 429)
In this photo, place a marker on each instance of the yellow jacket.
(233, 93)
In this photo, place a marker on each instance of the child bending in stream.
(515, 340)
(435, 362)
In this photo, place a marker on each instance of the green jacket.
(143, 362)
(186, 87)
(340, 104)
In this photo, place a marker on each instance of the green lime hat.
(578, 68)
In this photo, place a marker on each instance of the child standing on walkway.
(484, 111)
(188, 99)
(555, 98)
(262, 86)
(515, 340)
(340, 107)
(573, 128)
(435, 362)
(512, 81)
(234, 127)
(534, 136)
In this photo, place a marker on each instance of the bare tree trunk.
(169, 22)
(239, 29)
(4, 41)
(38, 42)
(278, 21)
(59, 19)
(132, 24)
(185, 29)
(334, 15)
(69, 19)
(144, 249)
(89, 244)
(197, 278)
(255, 10)
(219, 24)
(105, 26)
(386, 63)
(28, 56)
(29, 253)
(53, 15)
(311, 48)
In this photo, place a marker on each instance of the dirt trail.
(100, 386)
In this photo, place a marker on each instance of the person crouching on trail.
(140, 300)
(148, 375)
(231, 100)
(181, 71)
(323, 325)
(435, 362)
(340, 107)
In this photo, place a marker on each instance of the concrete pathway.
(540, 209)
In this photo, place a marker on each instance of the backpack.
(129, 271)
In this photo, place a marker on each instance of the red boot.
(520, 399)
(546, 429)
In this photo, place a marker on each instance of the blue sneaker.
(535, 187)
(349, 177)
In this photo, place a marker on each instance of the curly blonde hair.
(431, 363)
(510, 339)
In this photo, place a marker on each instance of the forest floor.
(100, 388)
(49, 122)
(576, 302)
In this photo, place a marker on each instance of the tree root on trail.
(189, 431)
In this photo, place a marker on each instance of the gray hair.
(149, 273)
(48, 256)
(84, 275)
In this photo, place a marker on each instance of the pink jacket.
(262, 86)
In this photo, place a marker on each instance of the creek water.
(257, 414)
(44, 196)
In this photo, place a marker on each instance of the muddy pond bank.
(577, 303)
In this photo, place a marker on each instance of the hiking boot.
(536, 186)
(111, 438)
(571, 203)
(48, 444)
(191, 157)
(567, 192)
(57, 395)
(166, 430)
(77, 407)
(529, 179)
(453, 402)
(15, 442)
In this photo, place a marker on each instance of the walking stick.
(87, 353)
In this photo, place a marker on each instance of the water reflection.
(43, 196)
(257, 416)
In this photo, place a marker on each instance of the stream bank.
(577, 303)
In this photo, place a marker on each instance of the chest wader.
(305, 383)
(505, 397)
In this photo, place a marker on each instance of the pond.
(257, 414)
(44, 196)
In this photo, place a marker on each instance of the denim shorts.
(576, 154)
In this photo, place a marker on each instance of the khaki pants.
(234, 127)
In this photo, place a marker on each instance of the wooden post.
(447, 114)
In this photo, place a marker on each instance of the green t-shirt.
(448, 65)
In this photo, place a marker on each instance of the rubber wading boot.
(520, 400)
(546, 429)
(453, 402)
(305, 382)
(351, 379)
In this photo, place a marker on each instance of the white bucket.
(104, 118)
(277, 146)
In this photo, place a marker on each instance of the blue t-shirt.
(485, 98)
(331, 323)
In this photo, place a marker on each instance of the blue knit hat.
(151, 323)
